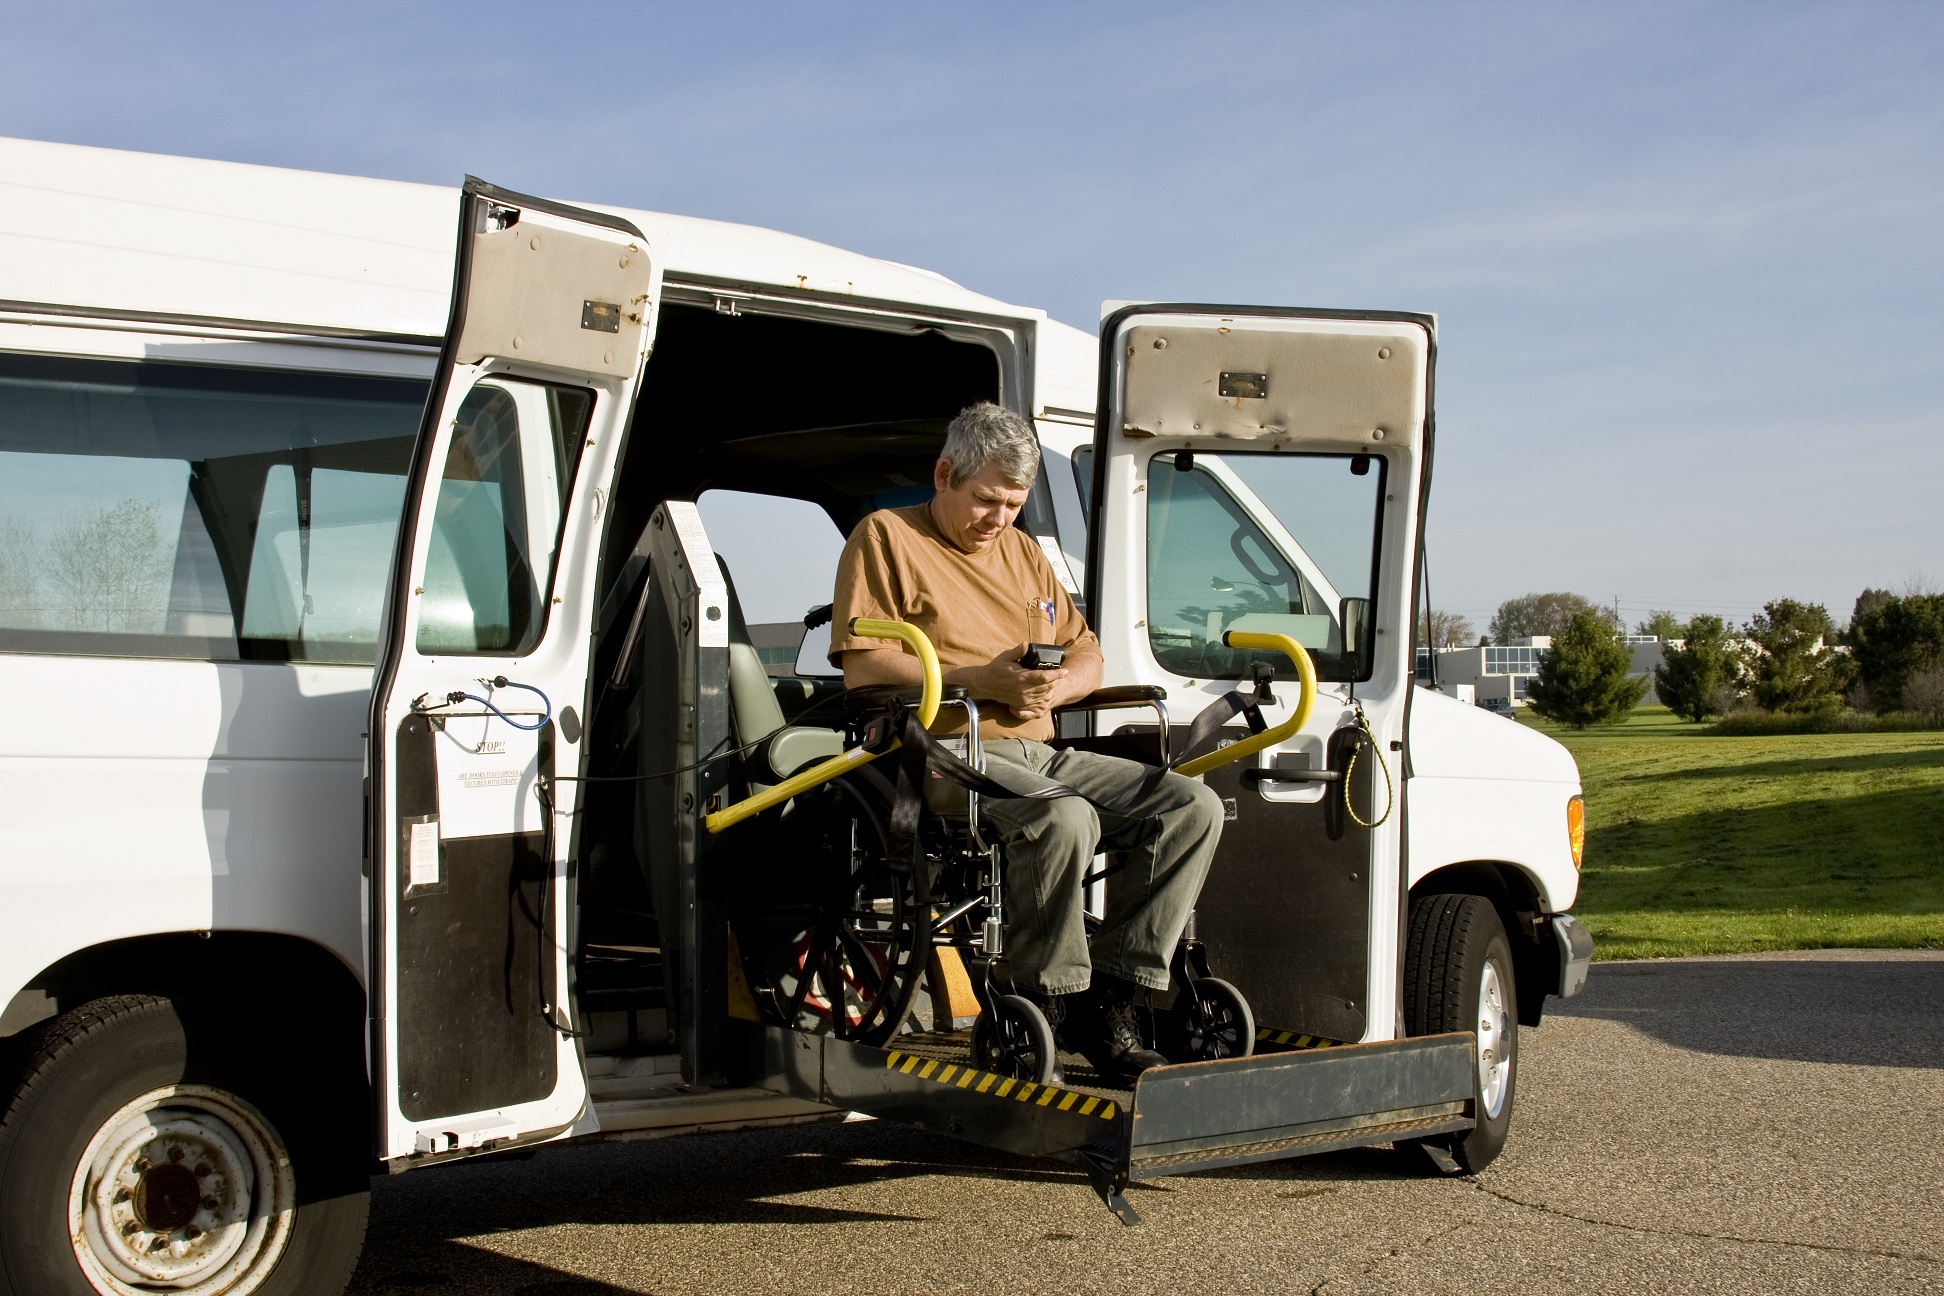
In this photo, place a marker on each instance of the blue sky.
(1685, 257)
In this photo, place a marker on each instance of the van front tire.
(1458, 977)
(140, 1149)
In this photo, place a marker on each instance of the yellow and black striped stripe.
(985, 1082)
(1293, 1040)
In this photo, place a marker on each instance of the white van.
(371, 672)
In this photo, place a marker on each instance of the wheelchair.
(850, 893)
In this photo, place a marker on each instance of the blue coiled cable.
(500, 682)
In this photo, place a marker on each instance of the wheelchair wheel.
(831, 928)
(1210, 1020)
(1012, 1038)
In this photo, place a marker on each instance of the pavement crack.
(1393, 1253)
(1661, 1231)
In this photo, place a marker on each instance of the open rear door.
(1260, 470)
(482, 680)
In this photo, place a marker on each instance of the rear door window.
(1270, 543)
(496, 527)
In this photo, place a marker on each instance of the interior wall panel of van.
(848, 418)
(845, 418)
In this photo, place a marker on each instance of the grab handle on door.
(1305, 702)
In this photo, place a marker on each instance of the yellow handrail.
(1306, 678)
(934, 686)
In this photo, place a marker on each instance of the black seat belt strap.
(1203, 727)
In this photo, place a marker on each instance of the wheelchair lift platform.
(1284, 1100)
(1294, 1101)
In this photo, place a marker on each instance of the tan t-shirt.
(898, 567)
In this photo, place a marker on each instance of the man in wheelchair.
(984, 593)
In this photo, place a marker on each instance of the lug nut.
(143, 1163)
(191, 1233)
(203, 1170)
(210, 1203)
(175, 1154)
(130, 1229)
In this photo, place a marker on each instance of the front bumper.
(1575, 954)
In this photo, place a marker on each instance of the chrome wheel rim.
(186, 1189)
(1494, 1042)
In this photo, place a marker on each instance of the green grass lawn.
(1698, 844)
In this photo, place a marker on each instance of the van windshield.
(173, 510)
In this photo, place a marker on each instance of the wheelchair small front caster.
(1012, 1038)
(1210, 1020)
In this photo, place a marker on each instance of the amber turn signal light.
(1576, 828)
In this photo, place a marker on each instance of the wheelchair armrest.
(876, 697)
(1121, 695)
(1128, 695)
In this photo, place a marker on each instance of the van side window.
(496, 521)
(152, 509)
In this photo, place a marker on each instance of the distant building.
(1649, 652)
(1501, 676)
(1496, 674)
(777, 643)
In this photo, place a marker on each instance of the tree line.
(1524, 617)
(106, 569)
(1789, 658)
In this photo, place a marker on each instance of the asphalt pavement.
(1753, 1124)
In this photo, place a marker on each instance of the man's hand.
(1029, 693)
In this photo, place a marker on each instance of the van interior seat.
(756, 716)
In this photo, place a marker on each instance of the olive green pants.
(1168, 839)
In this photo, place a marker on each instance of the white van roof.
(137, 234)
(1067, 371)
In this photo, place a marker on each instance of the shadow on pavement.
(1860, 1012)
(432, 1230)
(729, 1179)
(447, 1267)
(421, 1221)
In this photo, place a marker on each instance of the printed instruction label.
(422, 867)
(489, 775)
(1061, 572)
(472, 780)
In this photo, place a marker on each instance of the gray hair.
(985, 433)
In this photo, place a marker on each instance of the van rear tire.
(1458, 977)
(176, 1156)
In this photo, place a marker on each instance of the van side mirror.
(1353, 614)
